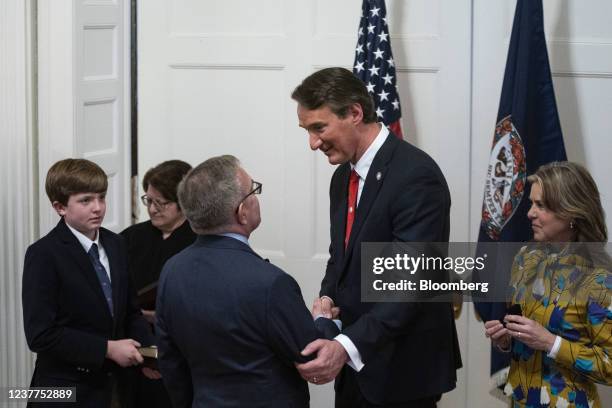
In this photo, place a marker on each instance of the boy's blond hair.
(74, 176)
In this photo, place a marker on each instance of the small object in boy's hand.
(149, 355)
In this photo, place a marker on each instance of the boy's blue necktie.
(94, 255)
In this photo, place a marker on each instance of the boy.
(78, 306)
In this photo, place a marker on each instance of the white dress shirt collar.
(86, 243)
(236, 236)
(362, 167)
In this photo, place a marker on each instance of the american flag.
(374, 63)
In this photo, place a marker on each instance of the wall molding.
(569, 74)
(17, 164)
(176, 35)
(410, 70)
(227, 67)
(418, 70)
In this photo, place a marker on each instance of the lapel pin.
(378, 176)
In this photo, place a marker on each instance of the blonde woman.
(561, 343)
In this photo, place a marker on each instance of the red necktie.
(352, 205)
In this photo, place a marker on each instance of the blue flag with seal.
(527, 135)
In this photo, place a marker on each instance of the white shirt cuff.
(354, 356)
(555, 348)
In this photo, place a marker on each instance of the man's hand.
(324, 306)
(530, 332)
(151, 374)
(331, 356)
(124, 352)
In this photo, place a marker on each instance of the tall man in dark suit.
(79, 311)
(384, 190)
(230, 325)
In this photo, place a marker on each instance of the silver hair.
(210, 193)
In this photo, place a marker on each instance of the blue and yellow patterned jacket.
(572, 299)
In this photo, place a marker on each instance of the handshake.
(324, 307)
(330, 354)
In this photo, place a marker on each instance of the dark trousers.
(100, 390)
(146, 393)
(348, 395)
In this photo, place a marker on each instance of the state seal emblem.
(506, 178)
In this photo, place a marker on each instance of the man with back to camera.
(384, 190)
(230, 325)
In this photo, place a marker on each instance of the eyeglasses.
(160, 205)
(256, 188)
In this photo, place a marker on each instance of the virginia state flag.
(527, 135)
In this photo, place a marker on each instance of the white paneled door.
(103, 98)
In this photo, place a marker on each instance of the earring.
(572, 225)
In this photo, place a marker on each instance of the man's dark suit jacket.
(66, 318)
(230, 326)
(410, 350)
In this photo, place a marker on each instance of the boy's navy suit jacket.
(67, 320)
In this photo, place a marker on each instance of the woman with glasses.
(150, 244)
